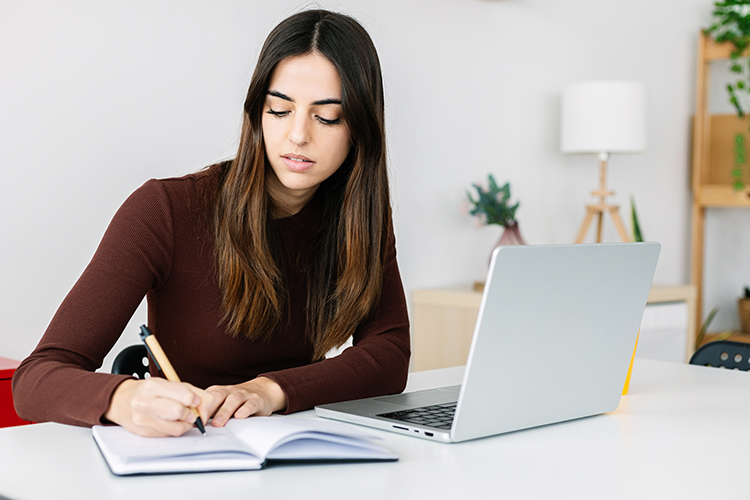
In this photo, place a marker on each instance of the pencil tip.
(199, 425)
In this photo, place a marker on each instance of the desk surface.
(680, 430)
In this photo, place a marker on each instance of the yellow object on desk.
(630, 368)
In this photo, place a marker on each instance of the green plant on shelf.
(740, 158)
(731, 23)
(704, 328)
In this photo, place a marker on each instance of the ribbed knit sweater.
(160, 245)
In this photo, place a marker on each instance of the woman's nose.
(300, 133)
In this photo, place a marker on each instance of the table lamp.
(603, 117)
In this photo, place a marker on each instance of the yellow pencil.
(163, 364)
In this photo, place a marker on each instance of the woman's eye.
(277, 113)
(325, 121)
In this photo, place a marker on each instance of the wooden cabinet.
(8, 417)
(443, 322)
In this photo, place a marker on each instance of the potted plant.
(732, 24)
(492, 206)
(704, 330)
(743, 307)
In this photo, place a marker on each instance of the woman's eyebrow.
(278, 94)
(322, 102)
(326, 101)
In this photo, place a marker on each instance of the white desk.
(683, 432)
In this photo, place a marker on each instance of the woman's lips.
(297, 163)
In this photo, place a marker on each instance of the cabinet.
(714, 158)
(8, 417)
(443, 322)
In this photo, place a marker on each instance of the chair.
(133, 360)
(724, 354)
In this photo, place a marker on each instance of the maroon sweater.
(160, 245)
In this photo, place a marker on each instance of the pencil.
(163, 364)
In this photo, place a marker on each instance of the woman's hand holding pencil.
(156, 407)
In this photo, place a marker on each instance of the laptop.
(553, 340)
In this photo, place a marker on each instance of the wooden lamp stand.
(602, 207)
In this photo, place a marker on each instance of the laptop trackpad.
(423, 398)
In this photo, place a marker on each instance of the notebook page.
(129, 447)
(273, 436)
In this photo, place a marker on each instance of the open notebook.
(241, 445)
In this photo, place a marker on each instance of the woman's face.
(305, 137)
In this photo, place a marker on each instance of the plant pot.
(511, 236)
(743, 308)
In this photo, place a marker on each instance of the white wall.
(97, 97)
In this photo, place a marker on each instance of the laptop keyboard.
(438, 416)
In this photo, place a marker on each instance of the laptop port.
(428, 434)
(402, 428)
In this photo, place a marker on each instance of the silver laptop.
(553, 341)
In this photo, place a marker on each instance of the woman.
(253, 268)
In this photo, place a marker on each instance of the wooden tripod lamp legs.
(599, 211)
(601, 208)
(586, 223)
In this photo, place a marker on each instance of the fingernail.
(196, 401)
(217, 421)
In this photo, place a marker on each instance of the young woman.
(253, 268)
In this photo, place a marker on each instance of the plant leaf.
(704, 327)
(637, 235)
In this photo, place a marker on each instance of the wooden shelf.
(722, 196)
(713, 158)
(718, 51)
(737, 337)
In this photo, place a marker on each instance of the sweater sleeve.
(377, 363)
(57, 381)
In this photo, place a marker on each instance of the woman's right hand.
(156, 407)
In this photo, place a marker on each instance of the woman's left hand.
(260, 396)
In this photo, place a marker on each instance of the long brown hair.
(344, 278)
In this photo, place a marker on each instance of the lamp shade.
(603, 117)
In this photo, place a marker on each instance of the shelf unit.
(711, 179)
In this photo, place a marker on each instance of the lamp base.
(599, 210)
(602, 207)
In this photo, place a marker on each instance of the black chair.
(133, 360)
(723, 353)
